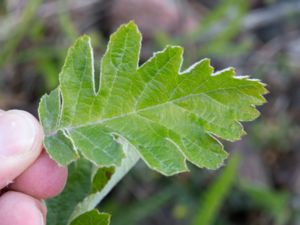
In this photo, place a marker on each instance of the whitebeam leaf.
(169, 116)
(86, 187)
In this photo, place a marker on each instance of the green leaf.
(78, 187)
(169, 116)
(57, 144)
(92, 218)
(86, 187)
(102, 185)
(153, 111)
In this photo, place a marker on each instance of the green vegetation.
(153, 112)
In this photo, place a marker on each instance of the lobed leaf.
(169, 116)
(155, 111)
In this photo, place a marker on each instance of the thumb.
(20, 143)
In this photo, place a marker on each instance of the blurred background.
(260, 184)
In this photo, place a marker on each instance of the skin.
(27, 174)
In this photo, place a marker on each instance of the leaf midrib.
(69, 128)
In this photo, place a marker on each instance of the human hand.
(27, 174)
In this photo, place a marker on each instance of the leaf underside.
(92, 218)
(169, 116)
(155, 111)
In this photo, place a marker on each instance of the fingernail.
(17, 133)
(43, 211)
(42, 219)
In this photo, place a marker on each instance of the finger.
(44, 179)
(20, 209)
(20, 144)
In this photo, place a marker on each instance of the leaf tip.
(83, 39)
(131, 26)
